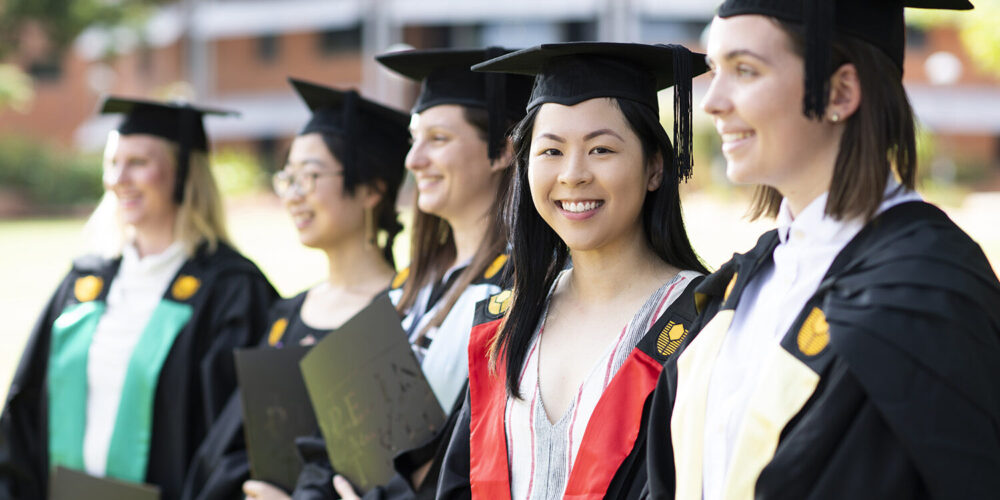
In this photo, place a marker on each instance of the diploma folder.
(276, 410)
(67, 484)
(371, 398)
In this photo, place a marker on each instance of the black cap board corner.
(573, 72)
(879, 22)
(175, 121)
(361, 121)
(445, 78)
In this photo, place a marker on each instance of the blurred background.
(58, 57)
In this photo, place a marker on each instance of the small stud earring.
(835, 118)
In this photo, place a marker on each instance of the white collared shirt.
(768, 306)
(135, 292)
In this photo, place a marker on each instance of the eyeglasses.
(305, 181)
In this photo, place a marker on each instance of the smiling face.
(325, 215)
(755, 100)
(140, 170)
(587, 174)
(450, 164)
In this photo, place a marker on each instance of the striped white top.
(541, 454)
(444, 356)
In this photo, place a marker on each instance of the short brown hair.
(879, 138)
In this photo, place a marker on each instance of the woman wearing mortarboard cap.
(559, 381)
(459, 158)
(131, 360)
(855, 351)
(339, 186)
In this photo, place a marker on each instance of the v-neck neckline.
(602, 360)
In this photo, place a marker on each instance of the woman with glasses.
(131, 362)
(339, 187)
(459, 160)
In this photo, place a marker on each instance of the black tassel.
(496, 107)
(349, 112)
(819, 20)
(682, 112)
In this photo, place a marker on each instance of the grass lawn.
(36, 253)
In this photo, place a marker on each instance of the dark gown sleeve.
(239, 319)
(220, 465)
(316, 479)
(855, 455)
(453, 480)
(24, 422)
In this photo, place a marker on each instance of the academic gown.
(887, 385)
(227, 298)
(611, 461)
(221, 464)
(315, 481)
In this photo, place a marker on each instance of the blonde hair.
(200, 217)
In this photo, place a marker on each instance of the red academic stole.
(609, 438)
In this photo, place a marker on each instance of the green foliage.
(238, 173)
(981, 36)
(63, 20)
(15, 87)
(48, 178)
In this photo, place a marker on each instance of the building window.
(48, 69)
(335, 41)
(267, 153)
(267, 48)
(916, 38)
(579, 31)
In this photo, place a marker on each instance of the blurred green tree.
(15, 87)
(63, 20)
(978, 30)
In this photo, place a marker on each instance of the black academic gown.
(229, 310)
(887, 385)
(611, 462)
(317, 473)
(221, 464)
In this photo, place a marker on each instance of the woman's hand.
(263, 491)
(344, 488)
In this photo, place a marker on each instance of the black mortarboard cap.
(445, 78)
(879, 22)
(570, 73)
(361, 122)
(177, 122)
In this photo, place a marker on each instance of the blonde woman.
(131, 360)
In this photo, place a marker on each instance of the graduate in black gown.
(854, 352)
(131, 361)
(459, 159)
(559, 385)
(339, 187)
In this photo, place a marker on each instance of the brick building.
(237, 53)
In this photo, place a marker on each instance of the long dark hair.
(539, 254)
(432, 246)
(879, 137)
(382, 171)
